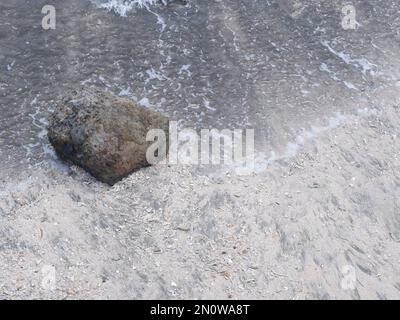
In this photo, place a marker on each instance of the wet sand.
(318, 220)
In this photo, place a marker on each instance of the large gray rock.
(102, 133)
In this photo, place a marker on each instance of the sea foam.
(122, 7)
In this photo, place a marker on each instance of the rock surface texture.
(102, 133)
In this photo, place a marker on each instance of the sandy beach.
(318, 218)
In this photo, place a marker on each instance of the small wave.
(122, 7)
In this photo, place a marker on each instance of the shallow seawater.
(231, 64)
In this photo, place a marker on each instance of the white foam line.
(160, 21)
(362, 63)
(334, 76)
(262, 161)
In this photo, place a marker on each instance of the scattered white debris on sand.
(287, 232)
